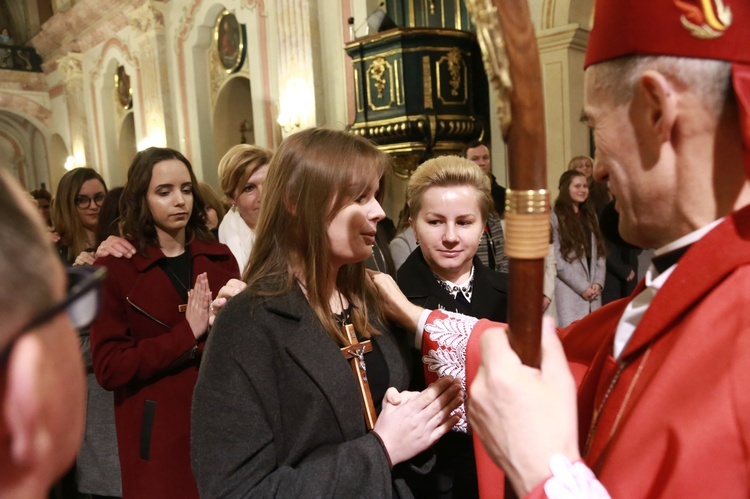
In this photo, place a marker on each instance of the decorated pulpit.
(419, 92)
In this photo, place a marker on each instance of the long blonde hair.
(312, 176)
(65, 215)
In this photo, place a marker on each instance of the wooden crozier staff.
(511, 59)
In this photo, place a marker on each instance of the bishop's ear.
(659, 98)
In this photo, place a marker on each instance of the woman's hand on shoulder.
(115, 246)
(231, 288)
(84, 258)
(199, 300)
(411, 422)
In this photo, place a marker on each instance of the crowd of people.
(150, 409)
(283, 341)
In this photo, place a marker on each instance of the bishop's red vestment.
(671, 416)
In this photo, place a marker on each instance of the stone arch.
(27, 109)
(194, 36)
(24, 125)
(11, 155)
(233, 106)
(108, 114)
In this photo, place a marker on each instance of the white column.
(71, 67)
(155, 103)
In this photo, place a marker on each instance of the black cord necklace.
(181, 263)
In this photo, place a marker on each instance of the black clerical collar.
(663, 262)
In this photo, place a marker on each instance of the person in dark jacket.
(449, 199)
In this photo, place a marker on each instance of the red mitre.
(705, 29)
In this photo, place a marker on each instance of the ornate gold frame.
(240, 59)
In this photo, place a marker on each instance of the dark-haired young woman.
(149, 337)
(579, 250)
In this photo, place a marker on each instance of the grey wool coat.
(573, 278)
(277, 410)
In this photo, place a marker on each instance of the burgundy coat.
(144, 350)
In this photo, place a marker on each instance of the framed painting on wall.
(230, 41)
(123, 91)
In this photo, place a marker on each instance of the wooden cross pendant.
(355, 352)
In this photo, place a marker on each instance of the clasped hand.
(199, 299)
(411, 422)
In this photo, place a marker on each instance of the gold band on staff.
(527, 228)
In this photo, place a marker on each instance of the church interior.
(91, 82)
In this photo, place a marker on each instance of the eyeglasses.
(83, 201)
(81, 304)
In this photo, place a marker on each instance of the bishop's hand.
(524, 415)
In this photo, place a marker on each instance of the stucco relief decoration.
(187, 21)
(377, 74)
(124, 51)
(455, 63)
(71, 68)
(255, 4)
(146, 18)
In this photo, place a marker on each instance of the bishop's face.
(638, 166)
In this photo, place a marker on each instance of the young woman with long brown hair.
(277, 410)
(579, 250)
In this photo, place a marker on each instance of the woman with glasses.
(278, 410)
(75, 214)
(149, 338)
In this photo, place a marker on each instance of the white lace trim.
(572, 481)
(451, 334)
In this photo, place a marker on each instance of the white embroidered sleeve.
(447, 338)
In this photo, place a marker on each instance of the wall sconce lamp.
(296, 101)
(289, 123)
(155, 139)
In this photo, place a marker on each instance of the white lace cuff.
(572, 481)
(444, 353)
(420, 327)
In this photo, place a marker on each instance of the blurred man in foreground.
(42, 377)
